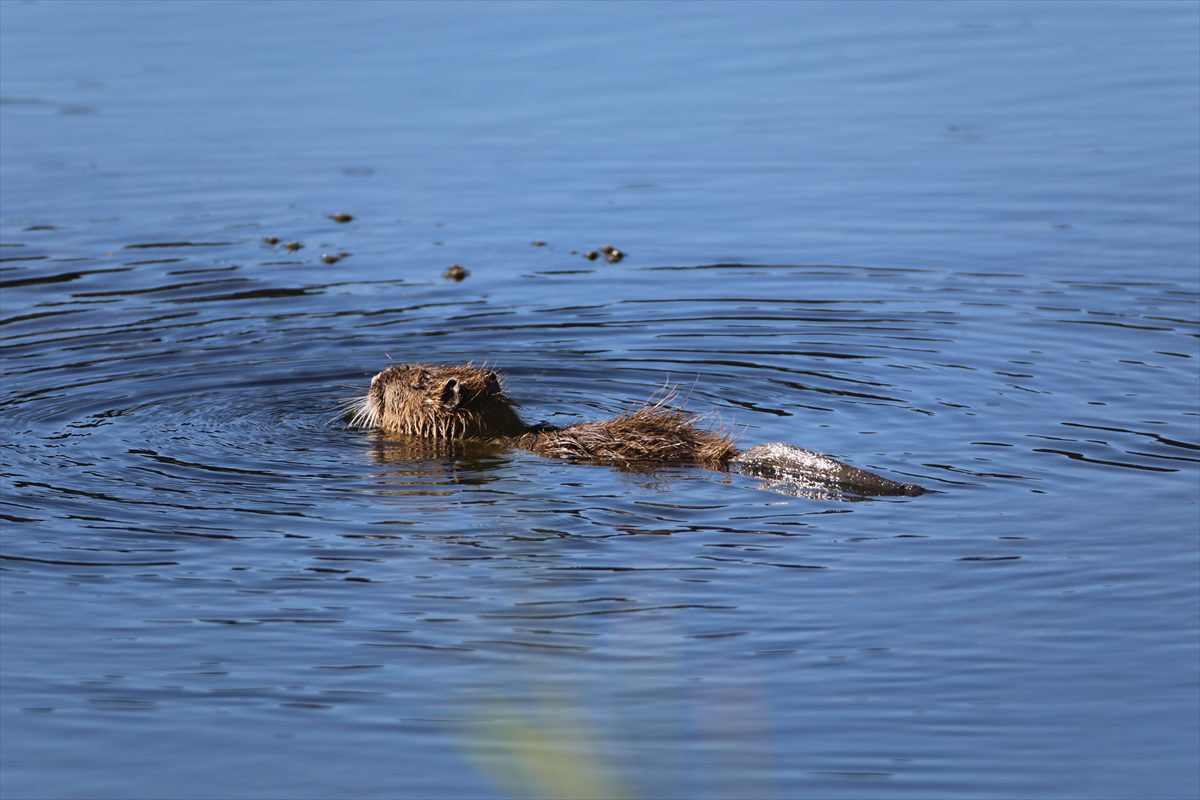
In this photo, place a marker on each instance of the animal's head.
(455, 402)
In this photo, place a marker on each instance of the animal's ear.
(450, 396)
(492, 382)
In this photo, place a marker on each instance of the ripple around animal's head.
(202, 448)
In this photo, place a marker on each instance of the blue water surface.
(954, 243)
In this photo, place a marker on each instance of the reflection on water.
(953, 245)
(542, 752)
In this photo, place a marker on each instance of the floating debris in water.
(292, 247)
(611, 254)
(455, 272)
(42, 228)
(271, 240)
(341, 218)
(538, 243)
(333, 258)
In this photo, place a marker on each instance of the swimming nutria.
(468, 402)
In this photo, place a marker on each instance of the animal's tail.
(804, 468)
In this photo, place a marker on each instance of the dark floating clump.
(271, 240)
(455, 272)
(612, 254)
(42, 228)
(292, 247)
(341, 218)
(333, 258)
(535, 242)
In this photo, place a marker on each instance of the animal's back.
(650, 435)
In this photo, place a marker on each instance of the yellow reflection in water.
(549, 754)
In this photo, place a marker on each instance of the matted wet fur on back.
(653, 434)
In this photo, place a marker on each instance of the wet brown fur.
(652, 434)
(436, 402)
(468, 402)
